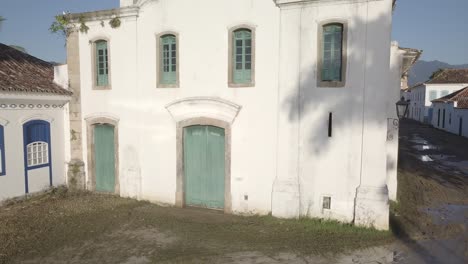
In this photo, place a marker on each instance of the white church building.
(246, 106)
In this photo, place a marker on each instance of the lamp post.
(402, 108)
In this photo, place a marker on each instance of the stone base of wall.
(285, 199)
(76, 175)
(372, 207)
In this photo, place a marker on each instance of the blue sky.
(439, 27)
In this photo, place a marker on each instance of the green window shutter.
(332, 52)
(242, 56)
(102, 63)
(432, 95)
(168, 59)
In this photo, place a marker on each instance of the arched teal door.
(104, 156)
(204, 158)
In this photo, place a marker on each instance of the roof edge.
(128, 11)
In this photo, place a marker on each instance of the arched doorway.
(37, 155)
(204, 166)
(103, 155)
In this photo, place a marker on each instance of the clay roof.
(450, 76)
(460, 96)
(21, 72)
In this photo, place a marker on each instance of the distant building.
(451, 112)
(410, 57)
(32, 123)
(443, 83)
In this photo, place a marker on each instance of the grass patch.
(98, 226)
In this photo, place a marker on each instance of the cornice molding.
(284, 3)
(35, 96)
(31, 106)
(130, 11)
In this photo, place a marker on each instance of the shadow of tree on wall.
(310, 103)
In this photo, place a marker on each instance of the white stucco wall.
(13, 183)
(61, 75)
(140, 106)
(279, 138)
(393, 90)
(452, 118)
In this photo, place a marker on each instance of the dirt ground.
(429, 223)
(431, 218)
(64, 227)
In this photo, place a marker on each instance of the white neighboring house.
(250, 107)
(32, 124)
(451, 112)
(443, 83)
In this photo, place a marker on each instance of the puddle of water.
(448, 214)
(425, 147)
(419, 140)
(425, 158)
(460, 165)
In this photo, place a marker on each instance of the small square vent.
(326, 202)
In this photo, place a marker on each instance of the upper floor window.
(444, 93)
(102, 63)
(2, 151)
(242, 57)
(168, 61)
(332, 55)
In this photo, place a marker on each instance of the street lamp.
(402, 108)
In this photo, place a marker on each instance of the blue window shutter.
(102, 63)
(332, 52)
(37, 131)
(168, 59)
(2, 152)
(242, 56)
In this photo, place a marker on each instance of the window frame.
(159, 58)
(231, 61)
(47, 139)
(2, 151)
(94, 69)
(344, 54)
(44, 150)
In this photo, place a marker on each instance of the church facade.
(246, 106)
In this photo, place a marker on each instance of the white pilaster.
(285, 196)
(372, 207)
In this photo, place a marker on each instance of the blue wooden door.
(204, 166)
(104, 155)
(37, 148)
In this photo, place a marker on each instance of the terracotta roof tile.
(460, 96)
(450, 76)
(21, 72)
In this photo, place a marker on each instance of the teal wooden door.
(204, 166)
(104, 155)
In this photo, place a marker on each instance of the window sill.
(331, 84)
(241, 85)
(108, 87)
(162, 85)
